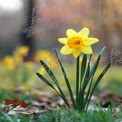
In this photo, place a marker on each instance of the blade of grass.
(8, 118)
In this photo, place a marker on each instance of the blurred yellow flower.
(41, 70)
(46, 56)
(18, 59)
(42, 54)
(27, 86)
(22, 51)
(29, 64)
(77, 42)
(8, 61)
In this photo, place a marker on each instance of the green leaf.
(66, 80)
(97, 81)
(50, 73)
(102, 52)
(82, 75)
(77, 81)
(101, 75)
(48, 83)
(86, 76)
(89, 76)
(88, 92)
(90, 85)
(94, 68)
(52, 76)
(45, 80)
(83, 69)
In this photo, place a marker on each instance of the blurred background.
(39, 23)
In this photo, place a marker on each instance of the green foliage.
(63, 115)
(4, 94)
(14, 118)
(84, 79)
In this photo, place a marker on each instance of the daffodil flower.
(77, 42)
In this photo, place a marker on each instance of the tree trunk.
(27, 30)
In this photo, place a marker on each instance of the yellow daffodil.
(77, 42)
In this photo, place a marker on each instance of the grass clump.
(63, 115)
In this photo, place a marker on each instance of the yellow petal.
(70, 33)
(65, 50)
(76, 52)
(90, 41)
(84, 33)
(63, 40)
(87, 49)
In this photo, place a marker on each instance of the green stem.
(77, 80)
